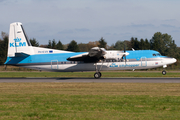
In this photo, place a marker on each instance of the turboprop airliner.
(21, 53)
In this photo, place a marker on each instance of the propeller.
(125, 52)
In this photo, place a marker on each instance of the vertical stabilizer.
(18, 41)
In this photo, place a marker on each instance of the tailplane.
(18, 41)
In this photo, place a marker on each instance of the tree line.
(162, 43)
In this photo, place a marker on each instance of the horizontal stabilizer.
(21, 55)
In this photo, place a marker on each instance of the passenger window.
(154, 54)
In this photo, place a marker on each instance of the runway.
(91, 80)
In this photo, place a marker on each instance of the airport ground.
(105, 74)
(95, 101)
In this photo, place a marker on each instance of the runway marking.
(90, 80)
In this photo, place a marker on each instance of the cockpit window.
(158, 54)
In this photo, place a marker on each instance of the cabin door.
(143, 62)
(54, 64)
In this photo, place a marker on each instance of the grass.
(89, 101)
(90, 74)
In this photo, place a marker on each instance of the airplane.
(22, 54)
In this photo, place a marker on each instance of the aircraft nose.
(169, 60)
(173, 60)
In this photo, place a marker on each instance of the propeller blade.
(125, 52)
(125, 59)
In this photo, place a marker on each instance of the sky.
(89, 20)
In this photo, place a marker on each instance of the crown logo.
(17, 39)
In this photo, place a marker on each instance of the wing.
(94, 55)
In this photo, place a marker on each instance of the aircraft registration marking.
(42, 51)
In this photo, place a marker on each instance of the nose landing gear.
(164, 71)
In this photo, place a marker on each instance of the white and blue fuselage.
(139, 59)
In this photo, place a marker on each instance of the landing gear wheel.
(100, 73)
(97, 75)
(164, 72)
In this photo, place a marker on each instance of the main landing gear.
(98, 73)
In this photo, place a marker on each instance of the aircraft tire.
(100, 73)
(97, 75)
(164, 72)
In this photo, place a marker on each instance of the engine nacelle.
(96, 51)
(117, 55)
